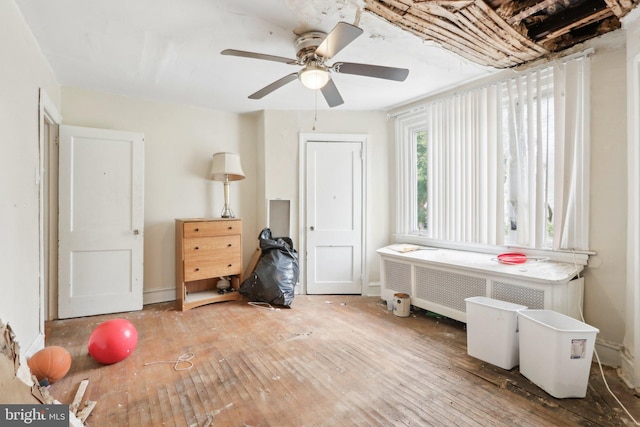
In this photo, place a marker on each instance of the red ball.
(112, 341)
(51, 363)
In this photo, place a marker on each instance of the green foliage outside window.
(421, 157)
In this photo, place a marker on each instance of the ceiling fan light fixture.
(313, 50)
(314, 77)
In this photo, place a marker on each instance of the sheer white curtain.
(546, 151)
(507, 163)
(572, 147)
(528, 151)
(465, 168)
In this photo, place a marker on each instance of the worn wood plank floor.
(328, 361)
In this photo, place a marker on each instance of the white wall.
(605, 277)
(179, 142)
(630, 369)
(23, 71)
(179, 145)
(281, 179)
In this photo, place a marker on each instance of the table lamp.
(226, 167)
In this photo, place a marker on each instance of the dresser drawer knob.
(196, 230)
(197, 248)
(229, 245)
(230, 265)
(230, 227)
(197, 269)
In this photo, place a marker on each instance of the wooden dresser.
(206, 251)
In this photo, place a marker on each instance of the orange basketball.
(51, 363)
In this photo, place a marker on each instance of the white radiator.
(440, 281)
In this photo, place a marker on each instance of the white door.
(334, 217)
(101, 221)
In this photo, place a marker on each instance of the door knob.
(312, 228)
(136, 232)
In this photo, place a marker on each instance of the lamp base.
(227, 213)
(226, 210)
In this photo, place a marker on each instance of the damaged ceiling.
(504, 33)
(170, 50)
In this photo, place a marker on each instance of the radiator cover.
(441, 282)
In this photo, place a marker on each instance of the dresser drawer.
(201, 268)
(212, 228)
(226, 247)
(207, 249)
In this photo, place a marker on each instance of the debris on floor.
(87, 406)
(19, 386)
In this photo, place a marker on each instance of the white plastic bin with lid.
(556, 352)
(492, 331)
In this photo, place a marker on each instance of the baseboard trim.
(610, 353)
(36, 345)
(159, 295)
(625, 371)
(373, 290)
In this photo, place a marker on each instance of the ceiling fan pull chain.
(315, 116)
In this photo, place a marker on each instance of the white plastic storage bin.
(556, 352)
(492, 331)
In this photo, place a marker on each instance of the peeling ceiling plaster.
(169, 50)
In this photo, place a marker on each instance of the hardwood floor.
(328, 361)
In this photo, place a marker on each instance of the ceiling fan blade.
(331, 94)
(273, 86)
(244, 54)
(368, 70)
(341, 35)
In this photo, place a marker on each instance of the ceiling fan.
(314, 49)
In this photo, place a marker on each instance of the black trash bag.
(276, 274)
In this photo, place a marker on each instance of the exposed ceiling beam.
(527, 12)
(562, 23)
(504, 33)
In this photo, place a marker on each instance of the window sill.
(578, 257)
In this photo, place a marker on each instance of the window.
(482, 167)
(527, 128)
(420, 142)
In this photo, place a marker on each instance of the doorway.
(49, 123)
(332, 214)
(100, 221)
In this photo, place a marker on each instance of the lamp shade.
(226, 166)
(314, 77)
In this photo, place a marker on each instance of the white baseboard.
(625, 371)
(610, 353)
(372, 290)
(159, 295)
(36, 345)
(617, 356)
